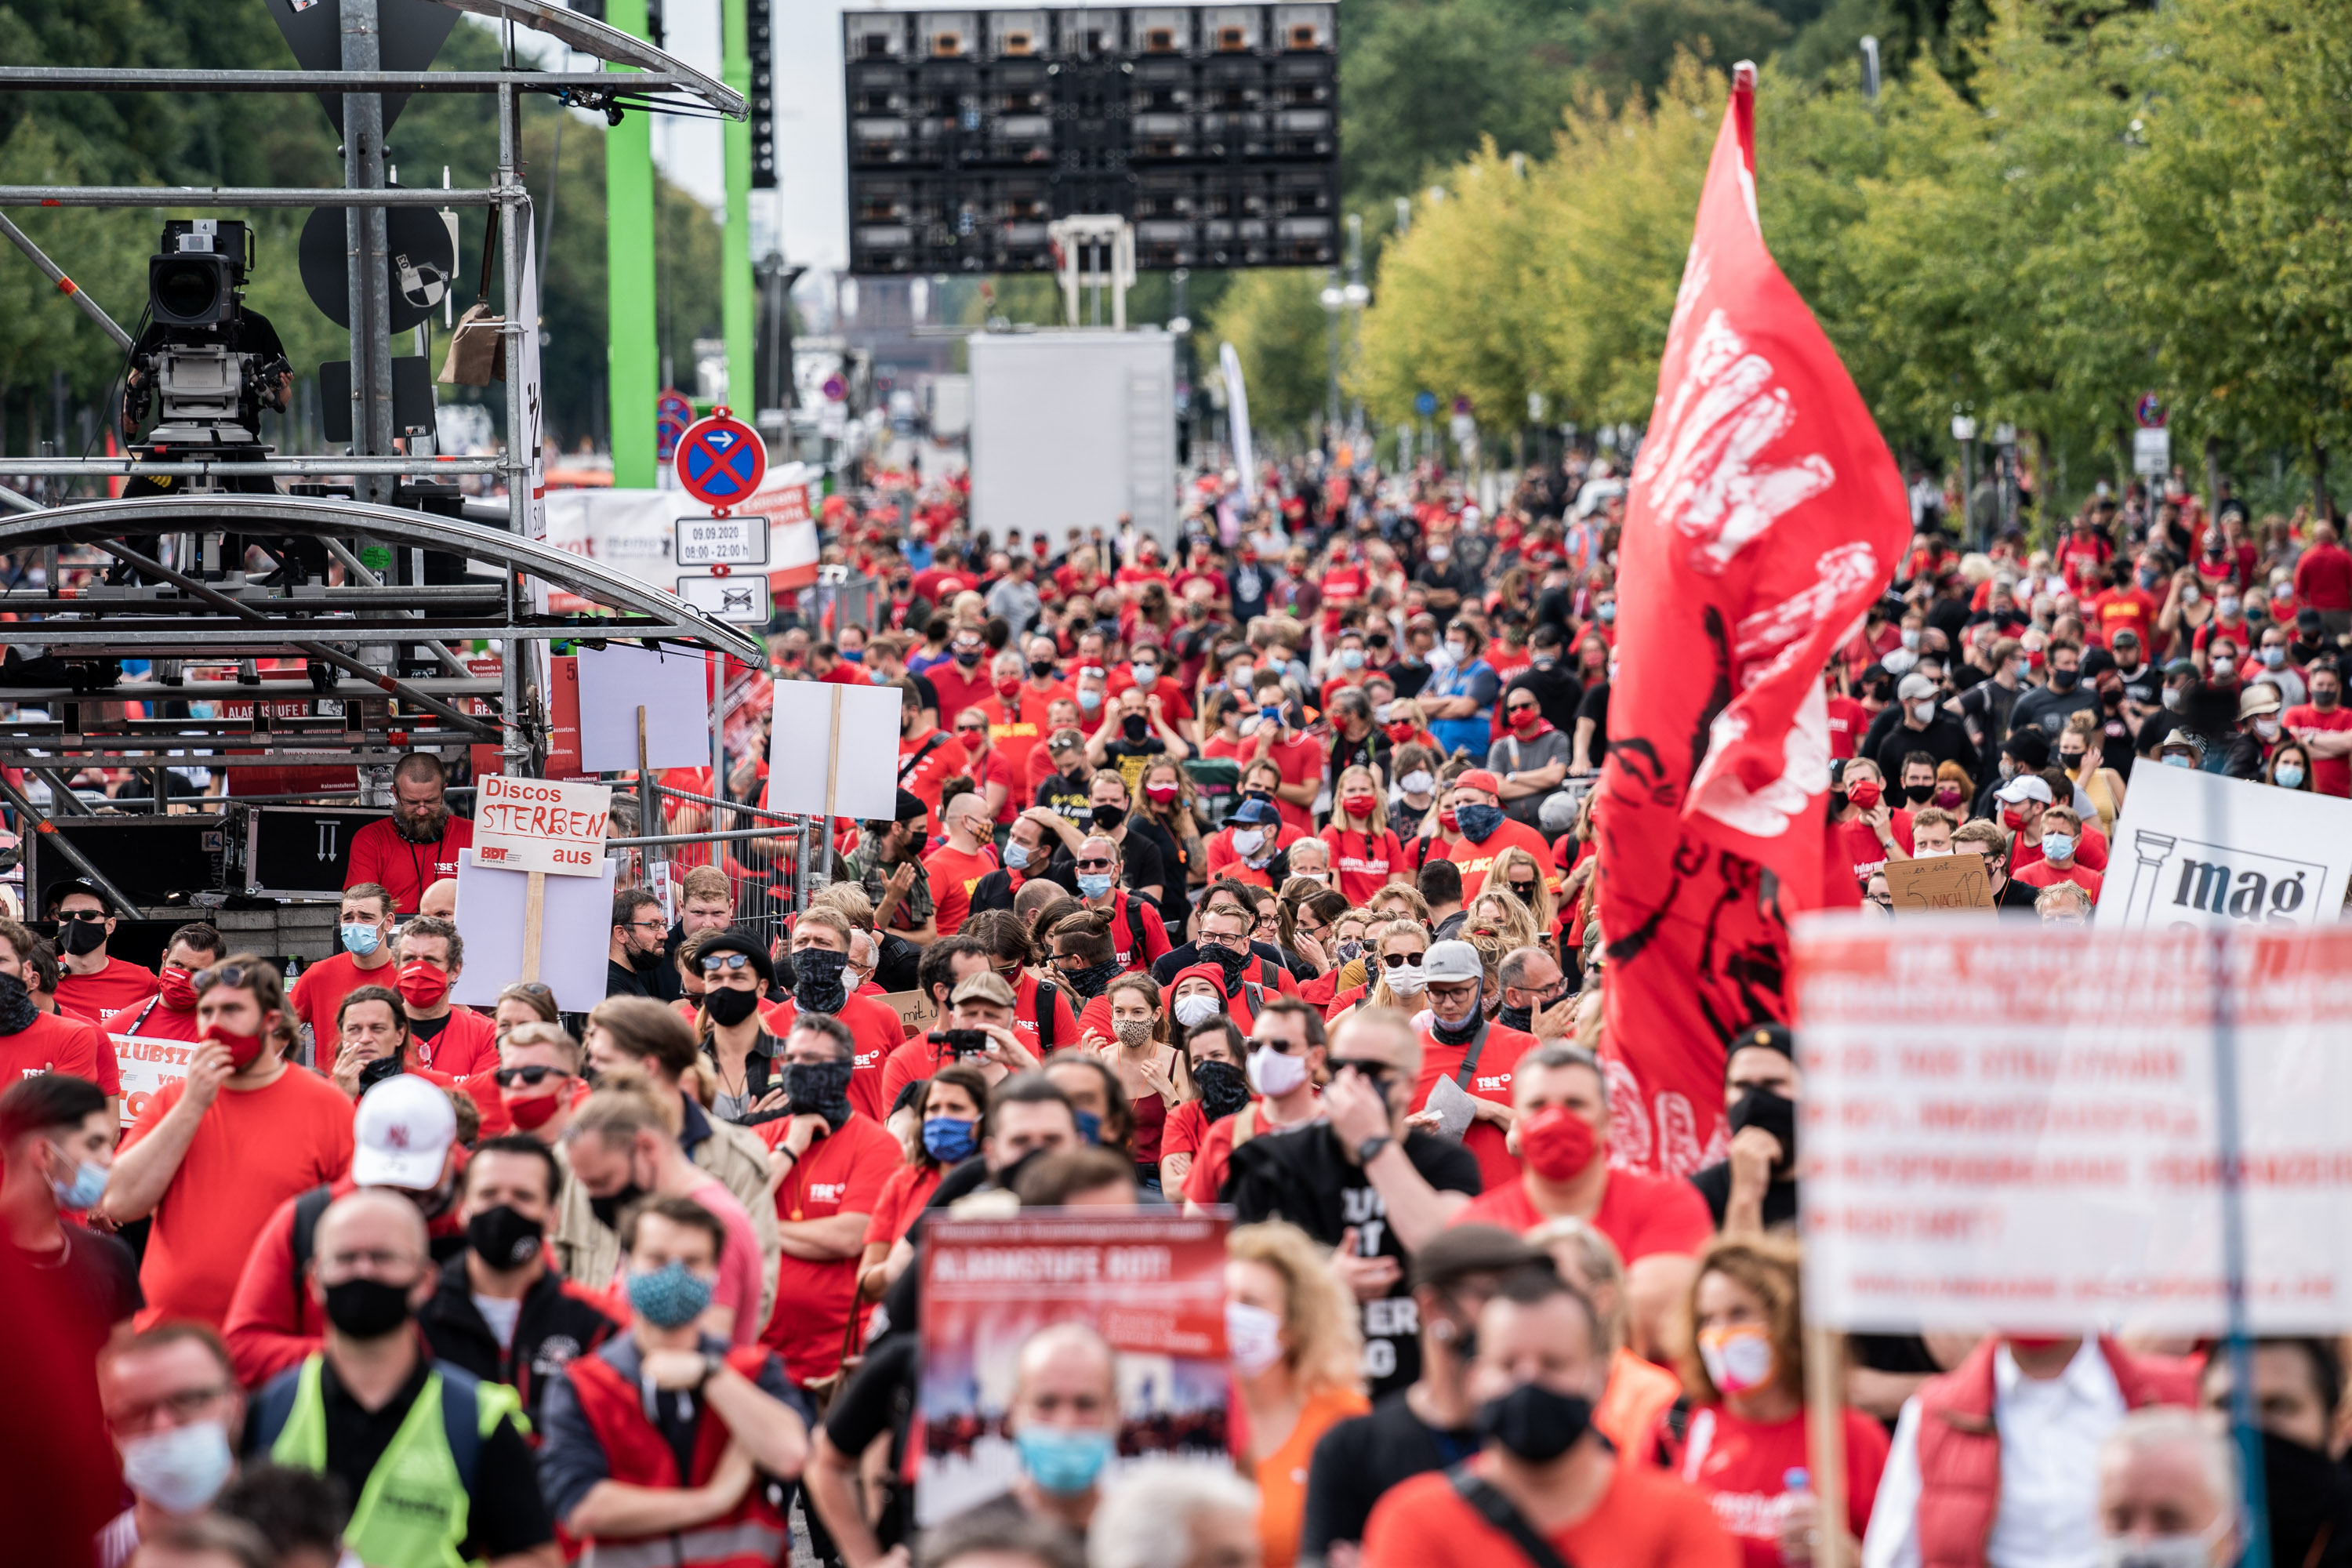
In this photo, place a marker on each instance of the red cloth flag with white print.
(1763, 517)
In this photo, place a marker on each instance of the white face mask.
(1929, 852)
(2163, 1551)
(1925, 711)
(1420, 781)
(1252, 1338)
(1192, 1009)
(1246, 840)
(1275, 1073)
(181, 1470)
(1407, 979)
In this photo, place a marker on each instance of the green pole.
(739, 313)
(633, 358)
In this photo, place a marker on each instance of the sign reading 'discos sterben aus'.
(541, 825)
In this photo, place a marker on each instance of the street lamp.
(1334, 299)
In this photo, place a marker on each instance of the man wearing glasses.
(173, 1407)
(94, 984)
(634, 961)
(1285, 1052)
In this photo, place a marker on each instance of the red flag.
(1763, 517)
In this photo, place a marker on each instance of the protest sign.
(640, 704)
(835, 751)
(1940, 882)
(914, 1009)
(2016, 1126)
(1153, 1287)
(540, 825)
(2195, 850)
(575, 932)
(146, 1066)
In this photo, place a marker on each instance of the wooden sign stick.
(1825, 1424)
(831, 775)
(534, 919)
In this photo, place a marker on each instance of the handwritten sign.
(1940, 882)
(541, 825)
(146, 1066)
(915, 1011)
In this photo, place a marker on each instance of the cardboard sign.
(1154, 1287)
(1940, 882)
(541, 825)
(916, 1013)
(2013, 1126)
(576, 933)
(146, 1066)
(672, 685)
(866, 784)
(2194, 851)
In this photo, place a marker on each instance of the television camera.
(207, 365)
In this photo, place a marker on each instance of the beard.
(421, 824)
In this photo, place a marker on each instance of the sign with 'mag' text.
(2201, 851)
(541, 825)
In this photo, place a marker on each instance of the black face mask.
(83, 938)
(16, 1009)
(608, 1211)
(1134, 727)
(503, 1238)
(1918, 794)
(1041, 669)
(2309, 1493)
(817, 985)
(967, 656)
(1109, 816)
(2064, 680)
(376, 1071)
(1534, 1424)
(1777, 1114)
(728, 1006)
(1519, 1018)
(1225, 1088)
(367, 1308)
(819, 1089)
(646, 962)
(1235, 965)
(1092, 980)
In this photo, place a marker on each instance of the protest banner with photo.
(2196, 851)
(1154, 1288)
(2016, 1126)
(146, 1066)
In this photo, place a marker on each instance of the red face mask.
(1400, 731)
(1356, 804)
(242, 1048)
(1008, 689)
(421, 984)
(1446, 819)
(1558, 1144)
(2012, 818)
(1159, 793)
(178, 992)
(534, 1113)
(973, 740)
(1866, 794)
(1525, 718)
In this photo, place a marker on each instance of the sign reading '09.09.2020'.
(541, 825)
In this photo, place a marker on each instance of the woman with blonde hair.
(1365, 850)
(2081, 751)
(1515, 871)
(1497, 919)
(1743, 1370)
(1291, 1329)
(1398, 949)
(1162, 799)
(1399, 902)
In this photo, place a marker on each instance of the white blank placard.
(672, 688)
(867, 785)
(576, 934)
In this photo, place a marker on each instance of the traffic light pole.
(632, 372)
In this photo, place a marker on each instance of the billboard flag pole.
(2229, 1134)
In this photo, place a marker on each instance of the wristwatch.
(1370, 1149)
(712, 1365)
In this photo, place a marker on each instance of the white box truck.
(1071, 428)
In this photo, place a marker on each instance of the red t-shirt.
(466, 1044)
(2323, 577)
(874, 1027)
(1183, 1130)
(404, 869)
(1066, 1029)
(1849, 722)
(1128, 910)
(1646, 1519)
(958, 690)
(2040, 873)
(2330, 775)
(955, 874)
(2132, 609)
(1301, 761)
(1859, 846)
(1741, 1468)
(1362, 862)
(1475, 859)
(51, 1043)
(903, 1197)
(1492, 1081)
(843, 1172)
(91, 997)
(1642, 1215)
(153, 1020)
(252, 1150)
(926, 779)
(917, 1059)
(322, 987)
(1015, 728)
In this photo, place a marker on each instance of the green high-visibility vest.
(412, 1511)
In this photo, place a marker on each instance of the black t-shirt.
(504, 1514)
(1556, 688)
(1139, 862)
(1371, 751)
(880, 1397)
(1356, 1463)
(94, 1277)
(1062, 794)
(1714, 1184)
(1593, 705)
(430, 1029)
(1410, 677)
(619, 980)
(1175, 901)
(1306, 1178)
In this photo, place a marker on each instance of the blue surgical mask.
(1016, 855)
(949, 1139)
(1147, 676)
(670, 1296)
(1089, 1126)
(1089, 699)
(853, 654)
(90, 1177)
(1094, 885)
(1351, 658)
(362, 940)
(2057, 846)
(181, 1470)
(1608, 613)
(2290, 777)
(1062, 1462)
(2179, 760)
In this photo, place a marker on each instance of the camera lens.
(188, 290)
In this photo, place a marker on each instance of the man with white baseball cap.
(1925, 726)
(1460, 1046)
(405, 1133)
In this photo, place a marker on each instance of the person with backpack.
(432, 1458)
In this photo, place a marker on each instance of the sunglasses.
(86, 915)
(530, 1077)
(1373, 1072)
(229, 974)
(1399, 960)
(1096, 865)
(719, 960)
(971, 729)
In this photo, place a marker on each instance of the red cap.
(1480, 779)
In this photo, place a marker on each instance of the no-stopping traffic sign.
(721, 460)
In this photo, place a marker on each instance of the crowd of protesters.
(1248, 873)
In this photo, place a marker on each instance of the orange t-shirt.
(252, 1150)
(1282, 1475)
(1646, 1519)
(953, 875)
